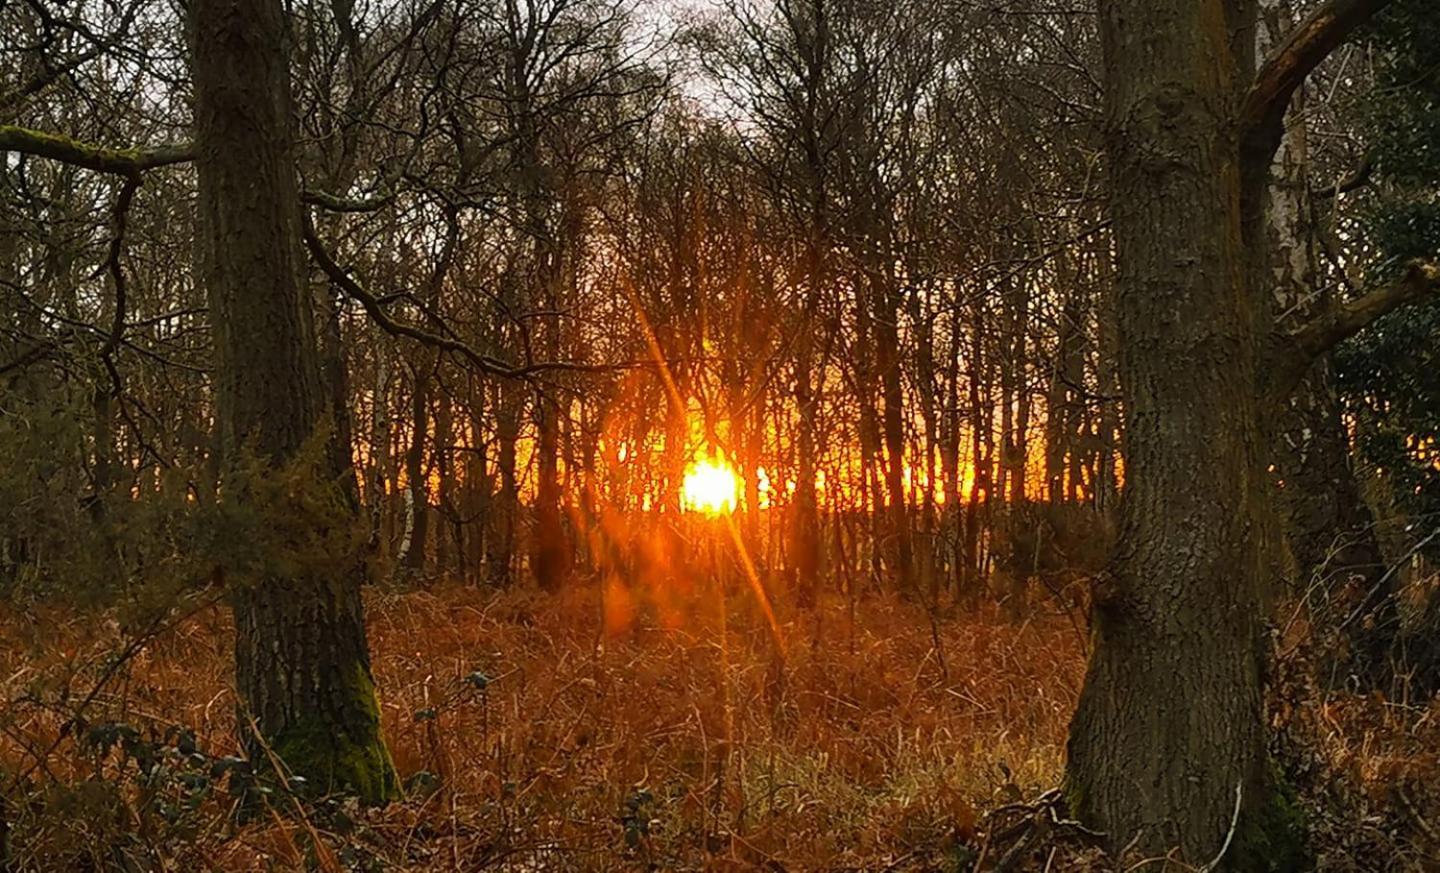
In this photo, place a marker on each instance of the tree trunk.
(376, 491)
(302, 668)
(887, 344)
(1168, 731)
(1339, 567)
(505, 513)
(550, 551)
(806, 523)
(412, 557)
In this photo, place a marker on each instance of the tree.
(1389, 378)
(301, 660)
(1167, 746)
(1330, 531)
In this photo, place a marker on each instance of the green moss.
(1273, 837)
(349, 757)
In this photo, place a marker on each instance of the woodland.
(774, 435)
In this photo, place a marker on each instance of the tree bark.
(302, 666)
(1168, 730)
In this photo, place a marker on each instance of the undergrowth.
(533, 733)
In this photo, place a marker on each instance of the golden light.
(711, 487)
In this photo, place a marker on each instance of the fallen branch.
(1040, 821)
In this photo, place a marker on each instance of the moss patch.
(345, 754)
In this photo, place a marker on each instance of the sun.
(710, 487)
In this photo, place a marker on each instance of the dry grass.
(863, 746)
(662, 742)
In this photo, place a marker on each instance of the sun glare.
(710, 487)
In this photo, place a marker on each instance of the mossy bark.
(346, 759)
(302, 668)
(304, 674)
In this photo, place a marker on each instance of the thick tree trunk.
(302, 668)
(1168, 731)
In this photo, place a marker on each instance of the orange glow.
(711, 487)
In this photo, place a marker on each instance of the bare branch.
(345, 282)
(484, 363)
(1262, 117)
(1325, 331)
(117, 273)
(131, 161)
(1354, 180)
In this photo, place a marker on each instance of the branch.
(482, 362)
(37, 352)
(334, 203)
(1262, 117)
(1356, 179)
(1329, 329)
(345, 282)
(40, 82)
(117, 273)
(132, 161)
(124, 162)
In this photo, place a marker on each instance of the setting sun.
(710, 487)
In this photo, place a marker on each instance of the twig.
(1229, 835)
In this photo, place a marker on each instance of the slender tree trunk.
(550, 551)
(379, 459)
(416, 480)
(887, 344)
(950, 462)
(446, 535)
(506, 509)
(806, 539)
(1107, 431)
(981, 454)
(302, 666)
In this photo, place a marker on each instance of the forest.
(773, 435)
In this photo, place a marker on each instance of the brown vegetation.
(531, 737)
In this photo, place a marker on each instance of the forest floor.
(580, 732)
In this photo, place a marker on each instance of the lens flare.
(711, 487)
